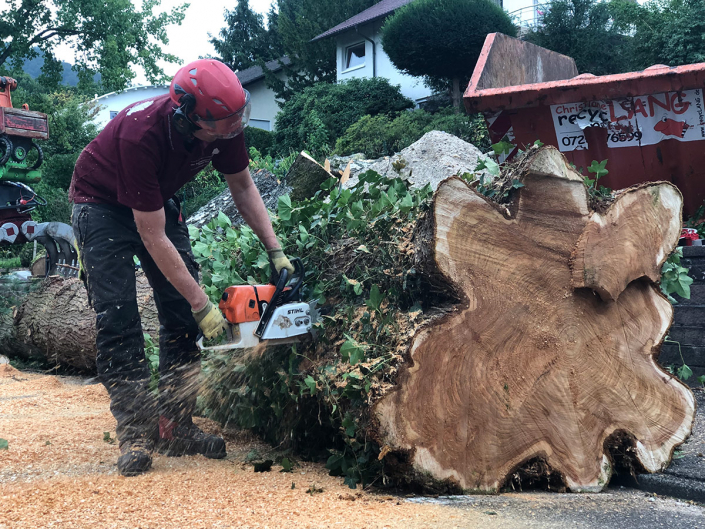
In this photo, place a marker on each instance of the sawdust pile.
(59, 472)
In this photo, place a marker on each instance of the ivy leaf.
(701, 379)
(4, 445)
(351, 481)
(334, 463)
(352, 352)
(284, 207)
(201, 249)
(502, 147)
(376, 298)
(599, 168)
(262, 261)
(406, 203)
(223, 220)
(349, 425)
(684, 372)
(287, 465)
(311, 384)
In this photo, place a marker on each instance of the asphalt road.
(616, 508)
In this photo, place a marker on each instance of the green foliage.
(675, 278)
(599, 169)
(151, 354)
(4, 445)
(207, 185)
(7, 262)
(278, 167)
(385, 135)
(442, 39)
(260, 139)
(58, 207)
(71, 128)
(683, 372)
(584, 30)
(299, 21)
(244, 41)
(315, 117)
(276, 393)
(108, 37)
(664, 31)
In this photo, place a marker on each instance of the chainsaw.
(272, 313)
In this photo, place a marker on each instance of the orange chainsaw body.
(243, 303)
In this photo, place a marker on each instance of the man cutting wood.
(123, 189)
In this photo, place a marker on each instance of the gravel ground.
(59, 472)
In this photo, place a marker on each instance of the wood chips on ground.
(59, 472)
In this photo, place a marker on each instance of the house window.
(113, 113)
(355, 56)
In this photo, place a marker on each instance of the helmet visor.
(229, 126)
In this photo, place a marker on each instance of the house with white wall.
(359, 44)
(264, 104)
(114, 102)
(360, 53)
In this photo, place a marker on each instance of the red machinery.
(20, 159)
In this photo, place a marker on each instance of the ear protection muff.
(182, 123)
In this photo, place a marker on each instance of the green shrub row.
(381, 135)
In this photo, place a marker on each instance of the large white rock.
(433, 158)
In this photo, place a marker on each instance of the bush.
(26, 255)
(314, 118)
(58, 208)
(260, 139)
(383, 136)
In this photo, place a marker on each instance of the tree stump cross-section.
(533, 364)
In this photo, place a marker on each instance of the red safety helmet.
(222, 105)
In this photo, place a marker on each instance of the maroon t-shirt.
(139, 160)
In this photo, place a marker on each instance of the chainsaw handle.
(297, 279)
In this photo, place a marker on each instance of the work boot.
(136, 456)
(187, 439)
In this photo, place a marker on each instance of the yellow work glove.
(277, 262)
(210, 320)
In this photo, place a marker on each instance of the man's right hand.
(210, 320)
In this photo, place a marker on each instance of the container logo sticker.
(634, 121)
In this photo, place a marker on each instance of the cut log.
(632, 239)
(533, 365)
(305, 177)
(55, 323)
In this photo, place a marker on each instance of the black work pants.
(107, 238)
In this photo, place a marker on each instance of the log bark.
(305, 177)
(533, 364)
(55, 323)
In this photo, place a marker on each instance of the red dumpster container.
(649, 125)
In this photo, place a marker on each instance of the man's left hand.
(277, 262)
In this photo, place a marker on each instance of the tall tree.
(299, 21)
(584, 30)
(107, 36)
(668, 32)
(244, 41)
(442, 39)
